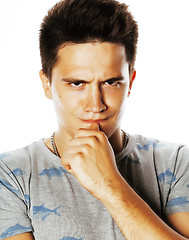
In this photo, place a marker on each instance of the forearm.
(134, 217)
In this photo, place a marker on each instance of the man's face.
(90, 83)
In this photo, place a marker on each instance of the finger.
(77, 149)
(83, 140)
(73, 159)
(85, 132)
(68, 159)
(93, 126)
(66, 162)
(99, 135)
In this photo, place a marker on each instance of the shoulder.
(147, 144)
(18, 158)
(160, 152)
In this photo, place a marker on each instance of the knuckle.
(79, 160)
(86, 148)
(93, 140)
(101, 135)
(79, 155)
(79, 132)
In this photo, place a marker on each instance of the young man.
(90, 179)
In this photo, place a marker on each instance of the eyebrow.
(115, 79)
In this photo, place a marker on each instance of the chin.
(108, 130)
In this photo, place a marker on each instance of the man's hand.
(90, 158)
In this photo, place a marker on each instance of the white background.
(158, 105)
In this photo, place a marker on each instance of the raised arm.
(135, 218)
(91, 160)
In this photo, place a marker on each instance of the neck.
(117, 141)
(61, 139)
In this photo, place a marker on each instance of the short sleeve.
(178, 198)
(14, 219)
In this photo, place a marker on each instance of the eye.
(112, 83)
(76, 84)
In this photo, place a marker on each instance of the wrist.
(113, 191)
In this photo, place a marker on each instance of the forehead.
(91, 57)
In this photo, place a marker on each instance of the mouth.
(94, 120)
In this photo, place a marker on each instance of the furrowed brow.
(115, 79)
(119, 78)
(70, 80)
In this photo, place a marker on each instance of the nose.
(95, 102)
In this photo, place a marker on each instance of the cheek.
(116, 99)
(122, 102)
(117, 102)
(60, 101)
(69, 102)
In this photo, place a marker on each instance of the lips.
(94, 120)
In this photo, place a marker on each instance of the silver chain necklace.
(54, 145)
(126, 140)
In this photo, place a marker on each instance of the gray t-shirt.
(38, 195)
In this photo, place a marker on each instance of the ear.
(131, 82)
(46, 85)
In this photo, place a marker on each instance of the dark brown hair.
(82, 21)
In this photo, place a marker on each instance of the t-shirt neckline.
(125, 152)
